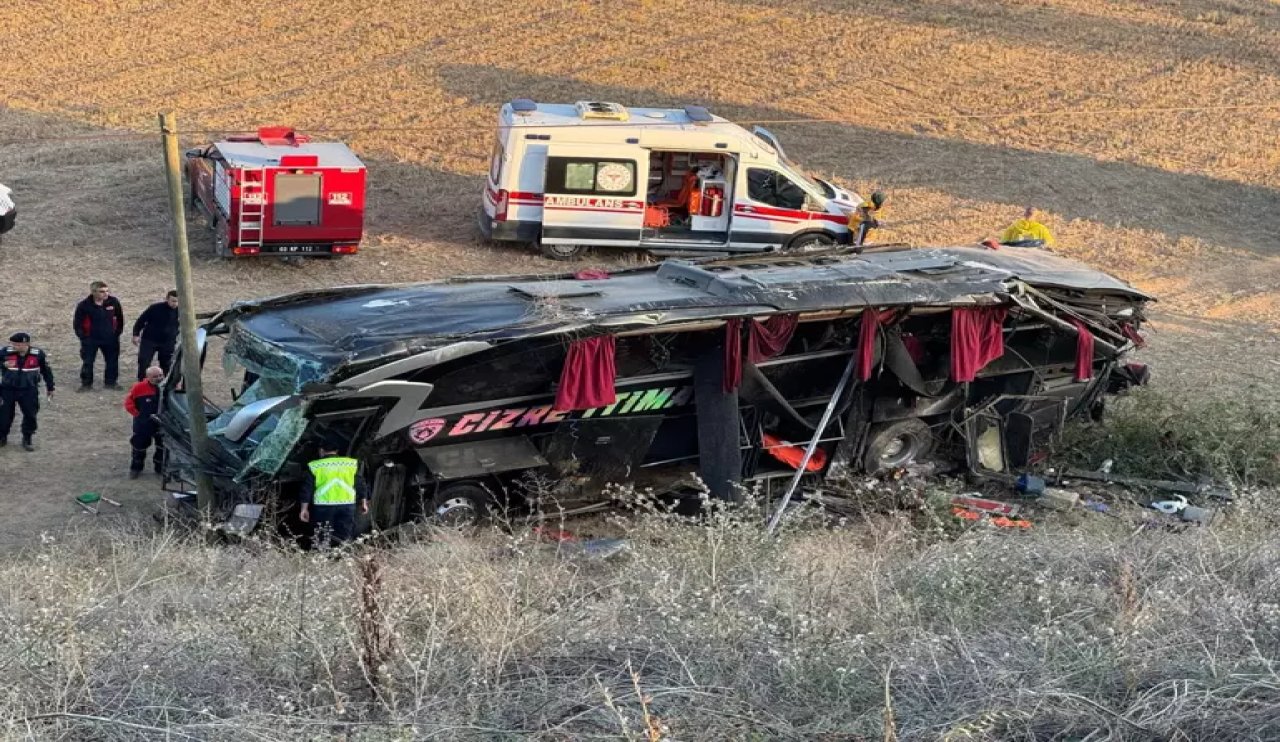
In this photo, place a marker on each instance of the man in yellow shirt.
(1027, 231)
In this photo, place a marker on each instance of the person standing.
(99, 322)
(142, 402)
(330, 493)
(21, 369)
(155, 332)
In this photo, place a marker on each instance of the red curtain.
(977, 338)
(872, 321)
(764, 341)
(1132, 334)
(767, 339)
(587, 378)
(732, 354)
(1084, 351)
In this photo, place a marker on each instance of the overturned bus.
(533, 392)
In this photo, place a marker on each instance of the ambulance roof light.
(698, 114)
(591, 109)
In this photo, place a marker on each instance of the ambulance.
(673, 181)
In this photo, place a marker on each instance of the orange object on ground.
(792, 455)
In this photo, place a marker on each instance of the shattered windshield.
(250, 370)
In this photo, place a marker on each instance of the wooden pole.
(205, 497)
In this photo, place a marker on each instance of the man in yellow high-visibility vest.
(330, 494)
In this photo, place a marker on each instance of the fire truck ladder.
(253, 206)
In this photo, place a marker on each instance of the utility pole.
(187, 319)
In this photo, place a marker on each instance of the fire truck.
(277, 193)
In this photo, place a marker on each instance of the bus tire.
(896, 445)
(459, 505)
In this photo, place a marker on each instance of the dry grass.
(698, 632)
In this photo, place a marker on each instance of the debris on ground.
(568, 545)
(89, 499)
(973, 502)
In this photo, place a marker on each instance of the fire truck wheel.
(897, 444)
(811, 241)
(459, 505)
(561, 252)
(220, 238)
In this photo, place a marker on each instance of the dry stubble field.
(962, 110)
(918, 96)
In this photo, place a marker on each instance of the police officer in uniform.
(330, 493)
(21, 369)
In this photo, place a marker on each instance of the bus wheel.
(459, 505)
(812, 241)
(896, 445)
(561, 252)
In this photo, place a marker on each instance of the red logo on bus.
(424, 430)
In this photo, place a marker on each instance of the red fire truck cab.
(278, 193)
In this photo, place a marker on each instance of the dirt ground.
(1126, 122)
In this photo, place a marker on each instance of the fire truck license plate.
(293, 248)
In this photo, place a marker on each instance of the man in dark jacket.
(154, 333)
(142, 402)
(99, 322)
(21, 369)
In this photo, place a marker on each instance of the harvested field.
(1136, 126)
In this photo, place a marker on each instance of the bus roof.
(355, 324)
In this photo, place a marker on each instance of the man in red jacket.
(142, 402)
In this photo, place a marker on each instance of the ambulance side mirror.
(878, 198)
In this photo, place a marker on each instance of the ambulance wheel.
(896, 445)
(561, 252)
(459, 505)
(811, 241)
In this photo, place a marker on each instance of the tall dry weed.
(700, 630)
